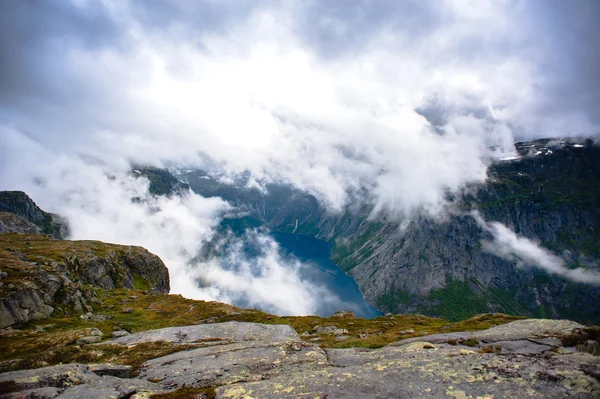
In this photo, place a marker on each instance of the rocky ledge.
(39, 274)
(525, 359)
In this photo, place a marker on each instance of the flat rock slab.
(110, 387)
(411, 371)
(533, 329)
(232, 331)
(60, 376)
(226, 364)
(523, 347)
(525, 329)
(70, 381)
(38, 393)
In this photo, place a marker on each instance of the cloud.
(251, 272)
(289, 90)
(508, 245)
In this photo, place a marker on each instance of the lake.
(318, 268)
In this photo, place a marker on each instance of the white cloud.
(525, 252)
(265, 280)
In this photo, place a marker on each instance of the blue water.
(318, 268)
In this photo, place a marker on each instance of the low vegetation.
(52, 341)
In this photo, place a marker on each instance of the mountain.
(549, 193)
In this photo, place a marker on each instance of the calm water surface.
(317, 267)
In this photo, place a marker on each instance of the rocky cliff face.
(550, 194)
(11, 223)
(18, 203)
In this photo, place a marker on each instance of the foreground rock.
(71, 381)
(524, 359)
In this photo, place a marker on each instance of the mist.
(525, 252)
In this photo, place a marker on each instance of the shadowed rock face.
(248, 360)
(19, 203)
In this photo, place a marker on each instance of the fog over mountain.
(395, 104)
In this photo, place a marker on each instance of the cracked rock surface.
(523, 359)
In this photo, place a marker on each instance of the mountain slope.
(549, 194)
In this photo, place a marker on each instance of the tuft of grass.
(141, 283)
(472, 342)
(490, 349)
(133, 356)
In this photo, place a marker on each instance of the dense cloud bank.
(400, 100)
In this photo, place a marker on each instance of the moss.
(133, 356)
(140, 283)
(470, 342)
(456, 301)
(490, 349)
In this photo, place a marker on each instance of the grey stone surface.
(115, 370)
(119, 334)
(445, 371)
(92, 339)
(531, 329)
(73, 381)
(110, 387)
(226, 364)
(232, 331)
(522, 347)
(60, 376)
(246, 360)
(37, 393)
(11, 223)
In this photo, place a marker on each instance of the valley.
(550, 194)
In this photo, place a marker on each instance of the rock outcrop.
(40, 273)
(11, 223)
(524, 359)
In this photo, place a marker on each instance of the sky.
(399, 99)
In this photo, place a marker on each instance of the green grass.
(456, 301)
